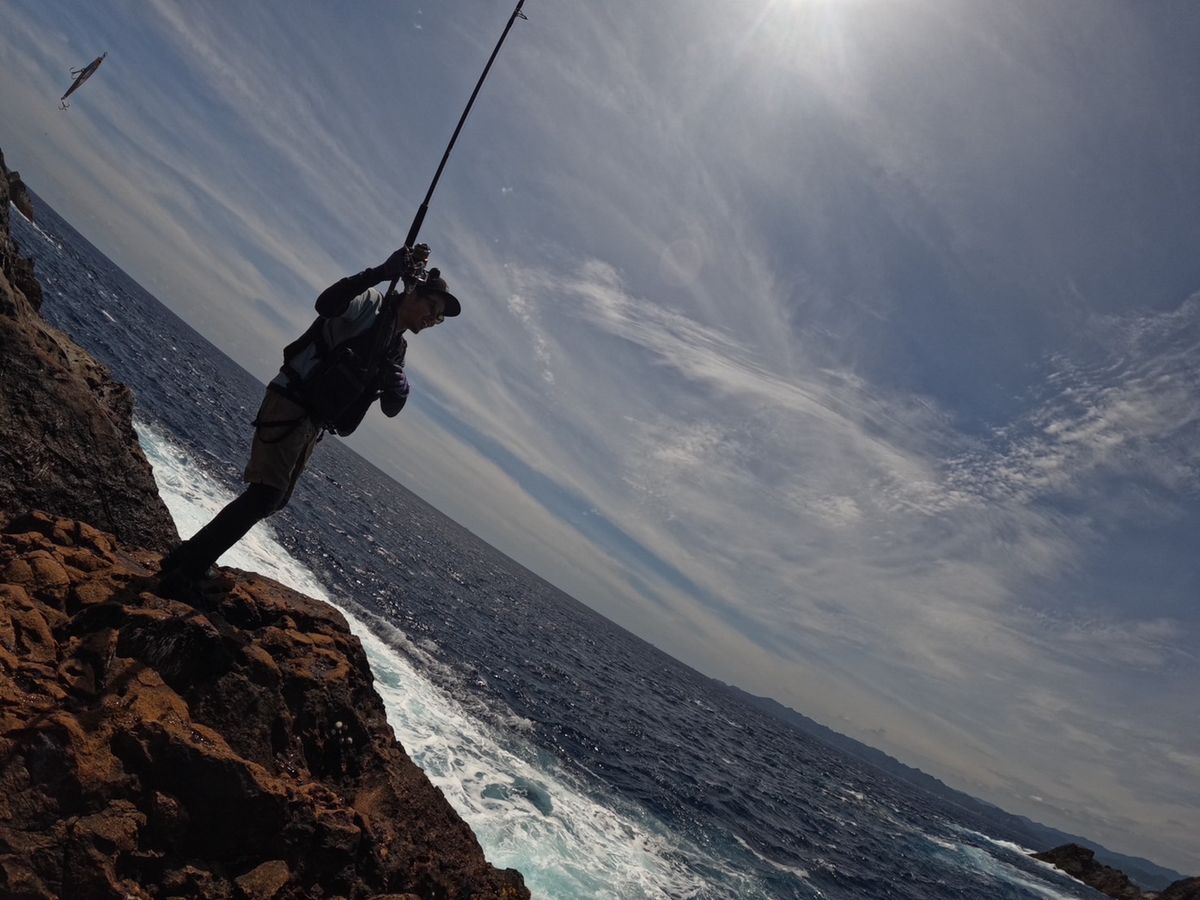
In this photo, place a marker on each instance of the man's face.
(425, 309)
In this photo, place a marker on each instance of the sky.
(847, 350)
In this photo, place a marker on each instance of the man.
(350, 356)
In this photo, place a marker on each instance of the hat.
(434, 283)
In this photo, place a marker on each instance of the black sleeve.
(335, 298)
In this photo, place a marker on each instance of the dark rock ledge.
(19, 193)
(1080, 863)
(67, 442)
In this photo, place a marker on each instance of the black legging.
(193, 557)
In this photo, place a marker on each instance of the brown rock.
(192, 881)
(151, 747)
(49, 577)
(265, 880)
(18, 574)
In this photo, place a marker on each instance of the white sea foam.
(802, 874)
(526, 811)
(34, 225)
(1007, 845)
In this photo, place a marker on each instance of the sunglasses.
(436, 313)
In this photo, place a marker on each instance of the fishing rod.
(410, 240)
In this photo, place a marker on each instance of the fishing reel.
(417, 258)
(412, 269)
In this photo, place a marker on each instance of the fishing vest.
(333, 369)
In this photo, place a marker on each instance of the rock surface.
(67, 442)
(233, 746)
(17, 270)
(1080, 863)
(1184, 889)
(19, 194)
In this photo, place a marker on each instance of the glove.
(396, 265)
(394, 393)
(406, 263)
(396, 384)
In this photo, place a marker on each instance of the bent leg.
(193, 557)
(283, 440)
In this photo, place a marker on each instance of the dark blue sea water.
(582, 755)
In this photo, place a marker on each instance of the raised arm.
(335, 298)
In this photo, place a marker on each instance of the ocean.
(581, 755)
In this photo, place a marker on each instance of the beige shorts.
(283, 441)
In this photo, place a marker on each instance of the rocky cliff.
(231, 746)
(15, 269)
(66, 434)
(1080, 863)
(18, 193)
